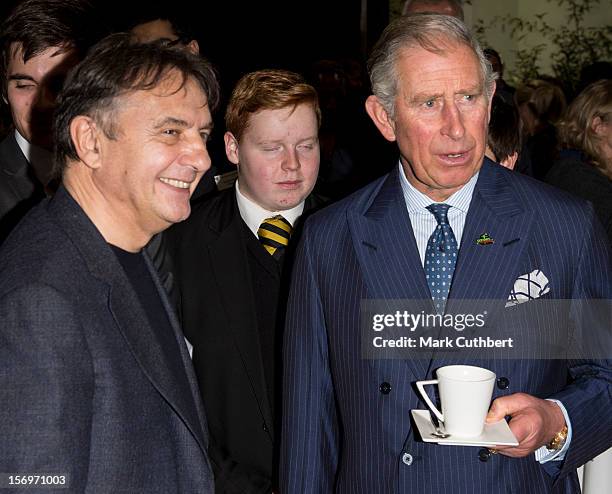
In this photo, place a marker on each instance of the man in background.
(232, 260)
(504, 136)
(96, 385)
(40, 41)
(453, 8)
(160, 21)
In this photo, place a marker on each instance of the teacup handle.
(430, 404)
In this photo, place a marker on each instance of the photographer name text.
(446, 342)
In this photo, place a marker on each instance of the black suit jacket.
(577, 176)
(217, 308)
(19, 188)
(88, 387)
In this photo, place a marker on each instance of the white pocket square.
(528, 287)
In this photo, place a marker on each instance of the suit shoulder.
(213, 212)
(359, 200)
(38, 251)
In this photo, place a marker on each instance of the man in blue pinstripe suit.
(346, 419)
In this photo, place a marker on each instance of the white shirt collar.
(253, 214)
(417, 201)
(40, 159)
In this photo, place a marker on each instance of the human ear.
(380, 117)
(193, 47)
(510, 161)
(231, 148)
(86, 140)
(599, 127)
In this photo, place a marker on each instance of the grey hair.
(432, 32)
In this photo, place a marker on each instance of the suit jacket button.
(503, 383)
(484, 454)
(407, 459)
(385, 388)
(264, 427)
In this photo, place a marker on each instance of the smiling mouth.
(179, 184)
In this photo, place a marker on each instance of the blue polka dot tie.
(440, 257)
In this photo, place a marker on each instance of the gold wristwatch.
(559, 440)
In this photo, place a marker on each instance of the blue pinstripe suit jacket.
(340, 433)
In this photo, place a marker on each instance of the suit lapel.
(185, 357)
(165, 369)
(488, 271)
(388, 255)
(231, 274)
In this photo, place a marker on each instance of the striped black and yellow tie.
(274, 234)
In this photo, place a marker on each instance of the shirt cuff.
(544, 454)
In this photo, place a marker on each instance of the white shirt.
(424, 223)
(40, 159)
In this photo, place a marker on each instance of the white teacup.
(465, 393)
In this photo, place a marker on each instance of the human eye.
(170, 132)
(205, 135)
(469, 98)
(25, 85)
(307, 146)
(270, 148)
(429, 103)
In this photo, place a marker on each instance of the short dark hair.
(41, 24)
(113, 68)
(505, 130)
(180, 21)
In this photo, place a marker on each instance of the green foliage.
(574, 44)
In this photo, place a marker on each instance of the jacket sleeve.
(46, 387)
(589, 391)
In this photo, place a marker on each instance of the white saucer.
(493, 434)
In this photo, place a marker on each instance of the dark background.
(240, 36)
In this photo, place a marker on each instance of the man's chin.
(289, 202)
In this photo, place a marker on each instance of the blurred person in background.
(585, 164)
(502, 88)
(504, 138)
(540, 103)
(453, 8)
(40, 41)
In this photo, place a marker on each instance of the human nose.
(291, 160)
(195, 154)
(453, 122)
